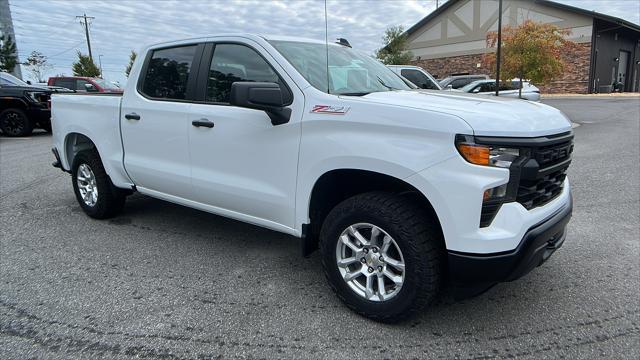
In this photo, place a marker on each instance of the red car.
(84, 84)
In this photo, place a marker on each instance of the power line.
(69, 49)
(86, 31)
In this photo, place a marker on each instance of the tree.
(85, 67)
(38, 65)
(8, 58)
(394, 51)
(132, 58)
(531, 51)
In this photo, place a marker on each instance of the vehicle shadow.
(36, 133)
(204, 232)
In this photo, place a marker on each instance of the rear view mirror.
(261, 96)
(90, 88)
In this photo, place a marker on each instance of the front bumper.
(537, 245)
(39, 114)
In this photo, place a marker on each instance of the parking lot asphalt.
(164, 281)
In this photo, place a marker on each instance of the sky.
(51, 27)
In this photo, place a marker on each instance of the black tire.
(15, 123)
(417, 235)
(110, 199)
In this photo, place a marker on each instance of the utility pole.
(86, 31)
(499, 46)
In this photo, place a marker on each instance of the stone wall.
(442, 67)
(575, 78)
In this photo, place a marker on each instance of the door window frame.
(191, 80)
(200, 91)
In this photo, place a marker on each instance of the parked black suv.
(23, 107)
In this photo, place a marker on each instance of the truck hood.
(486, 115)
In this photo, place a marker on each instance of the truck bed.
(95, 116)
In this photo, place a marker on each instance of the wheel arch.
(74, 143)
(11, 103)
(337, 185)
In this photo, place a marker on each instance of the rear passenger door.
(155, 123)
(242, 164)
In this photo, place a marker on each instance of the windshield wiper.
(355, 93)
(385, 85)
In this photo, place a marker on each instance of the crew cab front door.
(241, 164)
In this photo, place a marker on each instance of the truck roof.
(255, 37)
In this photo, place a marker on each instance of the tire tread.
(110, 199)
(411, 222)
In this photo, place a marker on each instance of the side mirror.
(28, 82)
(449, 87)
(90, 88)
(261, 96)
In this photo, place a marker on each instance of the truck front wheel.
(14, 122)
(382, 255)
(95, 193)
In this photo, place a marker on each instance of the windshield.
(351, 72)
(471, 85)
(8, 79)
(105, 84)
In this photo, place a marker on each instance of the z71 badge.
(331, 110)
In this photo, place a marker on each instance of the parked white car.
(417, 75)
(488, 87)
(400, 189)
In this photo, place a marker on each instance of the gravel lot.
(163, 281)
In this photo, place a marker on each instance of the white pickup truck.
(400, 189)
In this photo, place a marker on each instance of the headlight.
(38, 97)
(487, 155)
(496, 156)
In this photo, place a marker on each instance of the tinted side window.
(234, 62)
(487, 87)
(418, 78)
(80, 85)
(458, 83)
(65, 83)
(168, 72)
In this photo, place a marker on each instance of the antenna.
(326, 43)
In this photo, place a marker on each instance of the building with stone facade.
(6, 27)
(452, 40)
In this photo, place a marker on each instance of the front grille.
(536, 176)
(534, 193)
(549, 155)
(547, 170)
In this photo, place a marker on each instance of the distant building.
(451, 40)
(6, 28)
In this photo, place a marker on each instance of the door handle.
(203, 123)
(132, 116)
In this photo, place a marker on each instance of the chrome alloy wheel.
(87, 185)
(370, 262)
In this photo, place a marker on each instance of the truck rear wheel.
(95, 193)
(382, 255)
(14, 122)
